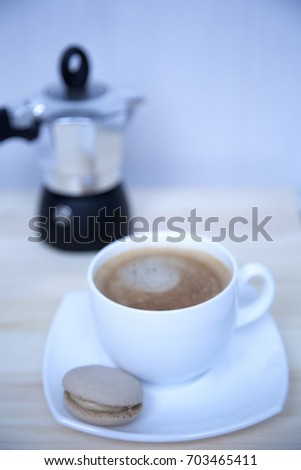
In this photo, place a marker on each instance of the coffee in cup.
(162, 279)
(152, 334)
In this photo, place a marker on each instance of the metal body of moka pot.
(83, 205)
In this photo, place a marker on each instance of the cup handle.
(257, 307)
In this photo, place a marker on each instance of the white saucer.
(247, 386)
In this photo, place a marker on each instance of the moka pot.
(83, 205)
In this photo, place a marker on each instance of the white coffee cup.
(173, 346)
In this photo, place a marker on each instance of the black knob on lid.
(75, 77)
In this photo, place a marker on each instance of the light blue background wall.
(222, 80)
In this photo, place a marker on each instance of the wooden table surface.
(34, 277)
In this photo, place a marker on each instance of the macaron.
(103, 396)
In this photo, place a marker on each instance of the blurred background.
(222, 82)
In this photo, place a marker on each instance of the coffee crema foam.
(162, 279)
